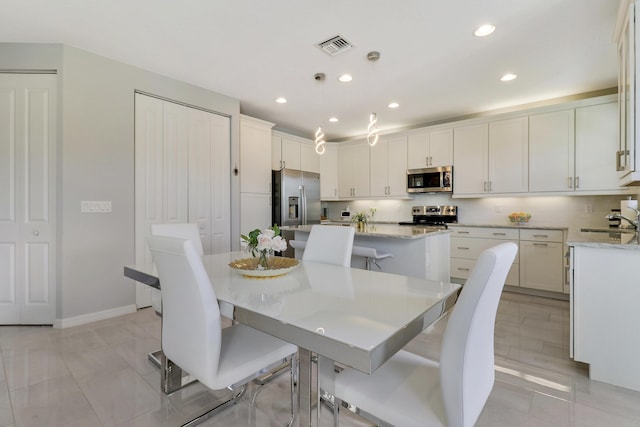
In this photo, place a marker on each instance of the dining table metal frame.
(361, 331)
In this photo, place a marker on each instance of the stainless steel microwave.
(430, 180)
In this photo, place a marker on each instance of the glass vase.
(265, 259)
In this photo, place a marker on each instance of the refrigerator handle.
(303, 206)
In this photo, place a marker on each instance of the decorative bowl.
(519, 217)
(279, 267)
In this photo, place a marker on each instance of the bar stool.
(371, 255)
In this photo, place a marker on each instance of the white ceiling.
(256, 51)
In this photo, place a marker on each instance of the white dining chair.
(330, 244)
(411, 391)
(371, 255)
(190, 232)
(192, 334)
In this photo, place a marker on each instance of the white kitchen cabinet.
(329, 173)
(508, 156)
(430, 148)
(491, 158)
(627, 38)
(596, 143)
(604, 315)
(353, 169)
(255, 212)
(551, 151)
(541, 259)
(293, 152)
(470, 159)
(467, 243)
(388, 164)
(255, 155)
(255, 174)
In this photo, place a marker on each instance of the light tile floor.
(98, 375)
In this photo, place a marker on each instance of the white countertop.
(382, 230)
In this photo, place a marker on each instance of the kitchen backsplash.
(574, 212)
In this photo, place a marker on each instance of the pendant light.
(319, 135)
(372, 127)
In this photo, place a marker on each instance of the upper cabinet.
(329, 172)
(255, 152)
(491, 158)
(627, 39)
(596, 138)
(574, 150)
(353, 170)
(430, 148)
(551, 142)
(470, 159)
(292, 152)
(388, 164)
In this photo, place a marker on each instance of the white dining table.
(355, 317)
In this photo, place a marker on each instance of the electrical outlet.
(588, 208)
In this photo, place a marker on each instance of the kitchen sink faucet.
(630, 221)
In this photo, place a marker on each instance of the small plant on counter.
(360, 218)
(263, 243)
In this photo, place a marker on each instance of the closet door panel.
(175, 162)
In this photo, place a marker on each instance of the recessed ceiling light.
(393, 105)
(508, 77)
(281, 100)
(345, 78)
(333, 119)
(484, 30)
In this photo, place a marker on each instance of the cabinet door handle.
(540, 235)
(540, 244)
(462, 232)
(570, 182)
(463, 269)
(499, 234)
(484, 186)
(463, 248)
(426, 160)
(577, 182)
(490, 185)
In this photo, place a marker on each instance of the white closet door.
(182, 175)
(209, 181)
(148, 180)
(27, 198)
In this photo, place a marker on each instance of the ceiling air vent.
(335, 45)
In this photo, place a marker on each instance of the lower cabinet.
(467, 243)
(541, 259)
(539, 264)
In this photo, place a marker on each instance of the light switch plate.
(95, 206)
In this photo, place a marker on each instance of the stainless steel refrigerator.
(296, 200)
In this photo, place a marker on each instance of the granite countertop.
(382, 230)
(511, 225)
(605, 238)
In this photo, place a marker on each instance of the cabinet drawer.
(461, 268)
(470, 248)
(486, 232)
(542, 235)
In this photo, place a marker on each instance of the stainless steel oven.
(430, 180)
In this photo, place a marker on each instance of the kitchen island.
(605, 294)
(417, 251)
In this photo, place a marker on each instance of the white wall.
(574, 212)
(95, 162)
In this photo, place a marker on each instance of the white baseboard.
(93, 317)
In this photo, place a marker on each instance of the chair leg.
(201, 418)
